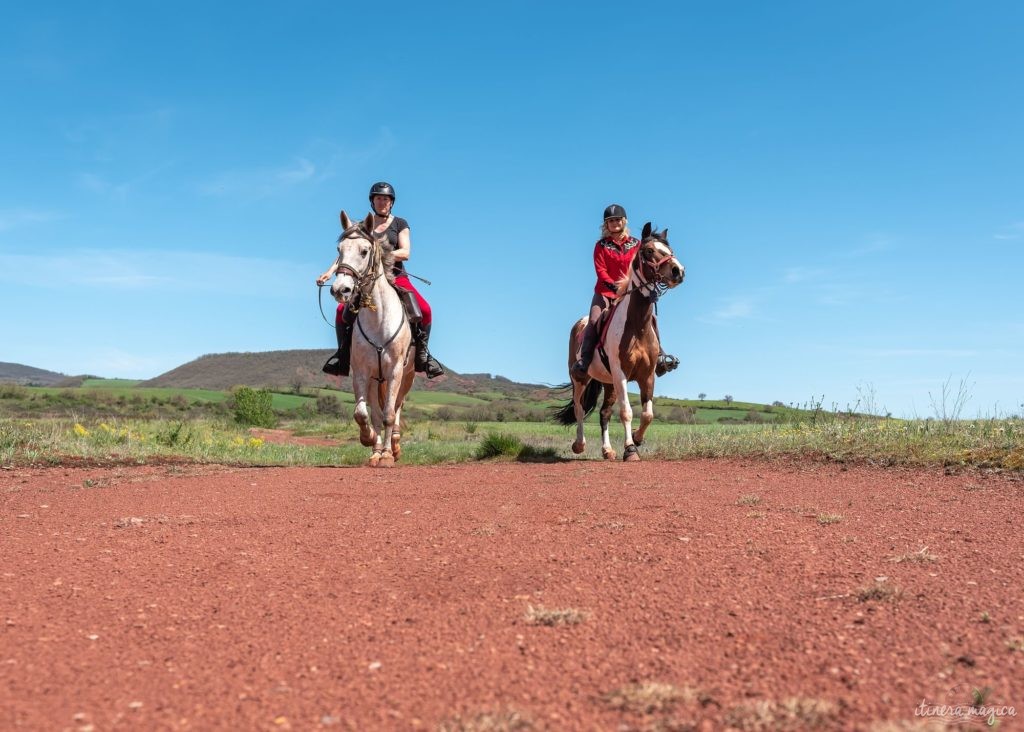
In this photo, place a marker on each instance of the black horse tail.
(567, 415)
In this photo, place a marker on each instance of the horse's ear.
(647, 231)
(664, 236)
(345, 221)
(368, 222)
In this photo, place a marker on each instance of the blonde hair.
(605, 234)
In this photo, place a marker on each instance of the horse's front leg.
(606, 417)
(647, 407)
(367, 436)
(629, 452)
(377, 418)
(389, 416)
(396, 435)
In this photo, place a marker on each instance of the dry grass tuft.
(824, 519)
(751, 500)
(880, 591)
(796, 713)
(503, 720)
(551, 618)
(921, 555)
(647, 697)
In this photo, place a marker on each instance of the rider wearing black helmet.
(396, 231)
(613, 254)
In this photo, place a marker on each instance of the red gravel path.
(211, 598)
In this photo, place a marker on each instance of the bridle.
(652, 285)
(366, 278)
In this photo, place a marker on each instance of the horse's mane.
(387, 260)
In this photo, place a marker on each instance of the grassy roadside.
(996, 443)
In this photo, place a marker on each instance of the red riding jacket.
(611, 262)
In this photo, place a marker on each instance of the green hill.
(300, 369)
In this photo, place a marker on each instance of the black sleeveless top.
(397, 226)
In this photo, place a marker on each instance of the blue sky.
(843, 181)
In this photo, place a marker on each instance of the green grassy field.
(116, 420)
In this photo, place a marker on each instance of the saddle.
(601, 326)
(412, 308)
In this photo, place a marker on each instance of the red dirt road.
(183, 597)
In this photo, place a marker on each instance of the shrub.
(329, 405)
(495, 445)
(681, 415)
(252, 406)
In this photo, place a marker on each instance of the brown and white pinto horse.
(631, 344)
(382, 363)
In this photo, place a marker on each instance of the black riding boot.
(586, 351)
(425, 363)
(338, 364)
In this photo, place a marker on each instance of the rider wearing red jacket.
(613, 255)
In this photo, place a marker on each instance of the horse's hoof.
(579, 447)
(631, 454)
(374, 460)
(368, 439)
(396, 447)
(637, 442)
(608, 453)
(387, 460)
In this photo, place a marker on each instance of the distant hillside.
(16, 373)
(284, 370)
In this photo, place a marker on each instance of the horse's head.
(656, 261)
(358, 253)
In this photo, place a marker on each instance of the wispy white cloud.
(1013, 231)
(796, 275)
(116, 363)
(154, 272)
(14, 218)
(260, 183)
(117, 191)
(125, 136)
(735, 309)
(320, 161)
(918, 352)
(872, 244)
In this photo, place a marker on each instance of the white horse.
(631, 343)
(381, 341)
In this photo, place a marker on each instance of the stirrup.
(433, 368)
(665, 364)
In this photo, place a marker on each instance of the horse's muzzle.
(678, 273)
(341, 293)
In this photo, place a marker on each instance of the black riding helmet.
(382, 189)
(615, 211)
